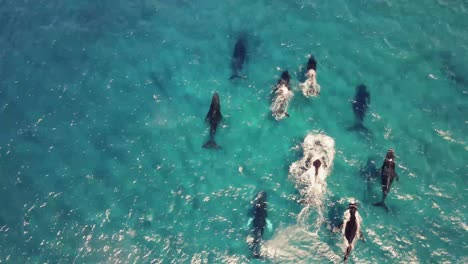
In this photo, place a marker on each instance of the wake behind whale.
(283, 95)
(310, 87)
(309, 173)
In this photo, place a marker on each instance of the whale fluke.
(348, 250)
(211, 144)
(358, 127)
(381, 204)
(234, 76)
(257, 241)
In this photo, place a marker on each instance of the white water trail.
(279, 107)
(310, 179)
(310, 87)
(295, 244)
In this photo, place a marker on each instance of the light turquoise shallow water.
(102, 110)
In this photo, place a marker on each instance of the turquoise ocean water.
(102, 107)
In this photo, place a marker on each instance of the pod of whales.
(310, 172)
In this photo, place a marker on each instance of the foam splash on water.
(309, 180)
(279, 107)
(296, 244)
(447, 135)
(310, 87)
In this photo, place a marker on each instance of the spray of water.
(310, 87)
(309, 174)
(279, 107)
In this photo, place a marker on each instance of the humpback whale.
(310, 87)
(360, 104)
(388, 174)
(259, 222)
(351, 228)
(283, 96)
(213, 117)
(238, 58)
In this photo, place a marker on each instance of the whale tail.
(256, 252)
(382, 204)
(358, 127)
(211, 144)
(257, 242)
(234, 76)
(348, 250)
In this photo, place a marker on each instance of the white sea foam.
(295, 244)
(310, 87)
(311, 183)
(279, 107)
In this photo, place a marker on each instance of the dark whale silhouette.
(370, 172)
(317, 164)
(351, 228)
(309, 84)
(213, 117)
(284, 80)
(312, 64)
(259, 221)
(388, 174)
(238, 58)
(360, 104)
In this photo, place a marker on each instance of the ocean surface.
(102, 108)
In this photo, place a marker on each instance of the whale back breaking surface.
(388, 172)
(312, 64)
(282, 97)
(214, 116)
(260, 211)
(310, 87)
(351, 229)
(258, 222)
